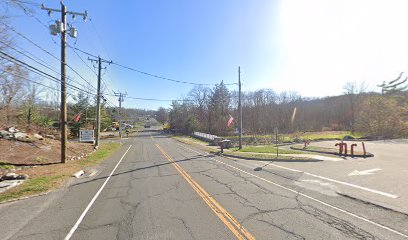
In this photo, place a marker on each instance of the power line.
(46, 86)
(41, 48)
(29, 13)
(40, 72)
(82, 51)
(154, 75)
(48, 76)
(41, 84)
(151, 99)
(165, 78)
(75, 49)
(38, 62)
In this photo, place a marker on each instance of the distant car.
(126, 126)
(147, 125)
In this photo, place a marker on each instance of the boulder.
(9, 176)
(50, 136)
(5, 134)
(12, 130)
(22, 176)
(23, 137)
(38, 136)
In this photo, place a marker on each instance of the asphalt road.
(158, 188)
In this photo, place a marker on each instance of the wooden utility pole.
(240, 108)
(62, 29)
(98, 99)
(98, 105)
(64, 124)
(121, 96)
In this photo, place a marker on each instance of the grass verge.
(266, 149)
(188, 139)
(6, 166)
(45, 178)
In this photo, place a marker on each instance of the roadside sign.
(86, 135)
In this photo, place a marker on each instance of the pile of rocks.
(10, 180)
(12, 133)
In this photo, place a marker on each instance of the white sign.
(86, 135)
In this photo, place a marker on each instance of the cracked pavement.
(146, 198)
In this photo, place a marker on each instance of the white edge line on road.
(71, 232)
(339, 182)
(306, 196)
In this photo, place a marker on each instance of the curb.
(332, 153)
(269, 159)
(243, 157)
(26, 197)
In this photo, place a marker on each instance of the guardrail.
(205, 136)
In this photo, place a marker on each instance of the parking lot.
(381, 179)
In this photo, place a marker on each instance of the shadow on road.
(142, 168)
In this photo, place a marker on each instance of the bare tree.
(12, 80)
(162, 115)
(352, 91)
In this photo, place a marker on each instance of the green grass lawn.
(190, 139)
(6, 166)
(265, 149)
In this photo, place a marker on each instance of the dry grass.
(46, 178)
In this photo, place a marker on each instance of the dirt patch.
(41, 152)
(43, 178)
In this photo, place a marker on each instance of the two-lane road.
(158, 188)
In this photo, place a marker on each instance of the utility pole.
(121, 99)
(240, 108)
(98, 99)
(61, 27)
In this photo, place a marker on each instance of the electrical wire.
(165, 78)
(75, 49)
(40, 72)
(38, 62)
(41, 48)
(152, 75)
(41, 84)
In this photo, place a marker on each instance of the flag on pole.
(76, 119)
(230, 121)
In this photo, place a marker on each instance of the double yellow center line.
(236, 228)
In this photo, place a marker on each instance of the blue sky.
(311, 47)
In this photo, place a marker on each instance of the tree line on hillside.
(208, 110)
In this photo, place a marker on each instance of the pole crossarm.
(49, 10)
